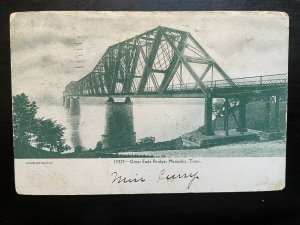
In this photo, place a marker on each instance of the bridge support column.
(74, 106)
(242, 115)
(208, 116)
(226, 127)
(67, 102)
(119, 129)
(276, 119)
(267, 113)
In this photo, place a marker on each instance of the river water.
(163, 119)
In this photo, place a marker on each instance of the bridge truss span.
(156, 62)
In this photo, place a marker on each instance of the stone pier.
(74, 108)
(119, 129)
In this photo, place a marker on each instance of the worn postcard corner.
(149, 102)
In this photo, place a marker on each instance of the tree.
(218, 108)
(78, 148)
(98, 146)
(45, 133)
(49, 135)
(24, 121)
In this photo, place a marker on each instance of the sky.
(45, 59)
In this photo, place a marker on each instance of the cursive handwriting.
(119, 179)
(164, 176)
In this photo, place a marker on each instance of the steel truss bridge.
(152, 65)
(165, 62)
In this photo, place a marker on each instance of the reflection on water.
(164, 121)
(74, 122)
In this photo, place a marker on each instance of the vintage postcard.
(149, 102)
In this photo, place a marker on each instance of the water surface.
(163, 119)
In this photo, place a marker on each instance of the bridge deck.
(276, 83)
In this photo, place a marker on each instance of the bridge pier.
(208, 128)
(119, 129)
(242, 115)
(74, 108)
(67, 102)
(276, 119)
(275, 124)
(226, 125)
(267, 113)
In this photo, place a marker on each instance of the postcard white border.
(93, 176)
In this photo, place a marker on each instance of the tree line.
(38, 132)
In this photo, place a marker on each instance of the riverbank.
(244, 149)
(30, 152)
(274, 148)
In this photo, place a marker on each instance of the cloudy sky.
(45, 59)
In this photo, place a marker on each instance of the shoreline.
(276, 148)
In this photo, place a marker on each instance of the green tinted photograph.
(149, 84)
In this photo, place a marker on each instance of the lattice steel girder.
(174, 64)
(215, 64)
(120, 61)
(132, 40)
(187, 65)
(204, 74)
(130, 76)
(96, 83)
(96, 78)
(199, 46)
(101, 79)
(191, 59)
(115, 69)
(149, 62)
(108, 69)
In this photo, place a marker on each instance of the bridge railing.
(174, 87)
(249, 81)
(178, 87)
(276, 79)
(245, 81)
